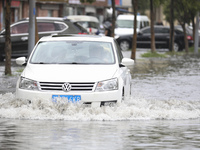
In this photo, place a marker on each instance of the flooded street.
(163, 113)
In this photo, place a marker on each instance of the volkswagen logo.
(66, 87)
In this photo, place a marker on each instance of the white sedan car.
(75, 68)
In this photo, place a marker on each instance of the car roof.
(82, 18)
(155, 26)
(131, 17)
(77, 37)
(48, 18)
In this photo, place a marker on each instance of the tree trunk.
(7, 40)
(36, 31)
(113, 19)
(193, 25)
(171, 41)
(153, 48)
(185, 37)
(134, 45)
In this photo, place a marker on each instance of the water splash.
(133, 109)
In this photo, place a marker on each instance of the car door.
(144, 38)
(161, 37)
(19, 39)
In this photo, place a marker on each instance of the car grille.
(57, 86)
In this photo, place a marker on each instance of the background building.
(60, 8)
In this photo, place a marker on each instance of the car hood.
(69, 73)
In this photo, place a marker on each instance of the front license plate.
(69, 98)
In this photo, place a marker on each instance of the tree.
(183, 17)
(194, 7)
(153, 47)
(185, 12)
(113, 19)
(142, 6)
(8, 47)
(171, 40)
(134, 5)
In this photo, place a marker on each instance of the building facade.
(61, 8)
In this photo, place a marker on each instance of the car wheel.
(176, 47)
(124, 45)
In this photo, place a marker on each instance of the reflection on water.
(163, 113)
(100, 135)
(182, 66)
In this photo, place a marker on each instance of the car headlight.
(28, 84)
(107, 85)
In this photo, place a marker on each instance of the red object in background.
(189, 37)
(90, 30)
(13, 3)
(117, 2)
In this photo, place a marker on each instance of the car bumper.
(86, 97)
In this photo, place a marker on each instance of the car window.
(61, 26)
(165, 30)
(177, 31)
(79, 27)
(19, 28)
(161, 30)
(146, 23)
(141, 25)
(146, 30)
(73, 52)
(125, 23)
(51, 26)
(45, 26)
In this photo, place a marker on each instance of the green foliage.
(184, 10)
(20, 70)
(154, 54)
(175, 53)
(191, 49)
(143, 5)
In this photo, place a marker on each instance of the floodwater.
(163, 113)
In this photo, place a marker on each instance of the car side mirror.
(127, 62)
(21, 61)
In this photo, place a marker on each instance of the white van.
(91, 23)
(124, 24)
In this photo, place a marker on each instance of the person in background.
(108, 27)
(107, 31)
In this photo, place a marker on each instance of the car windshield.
(73, 52)
(125, 23)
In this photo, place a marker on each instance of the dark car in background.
(189, 31)
(162, 35)
(45, 25)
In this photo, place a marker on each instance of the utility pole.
(31, 37)
(196, 42)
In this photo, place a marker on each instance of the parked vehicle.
(91, 23)
(75, 68)
(45, 25)
(189, 31)
(162, 35)
(125, 24)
